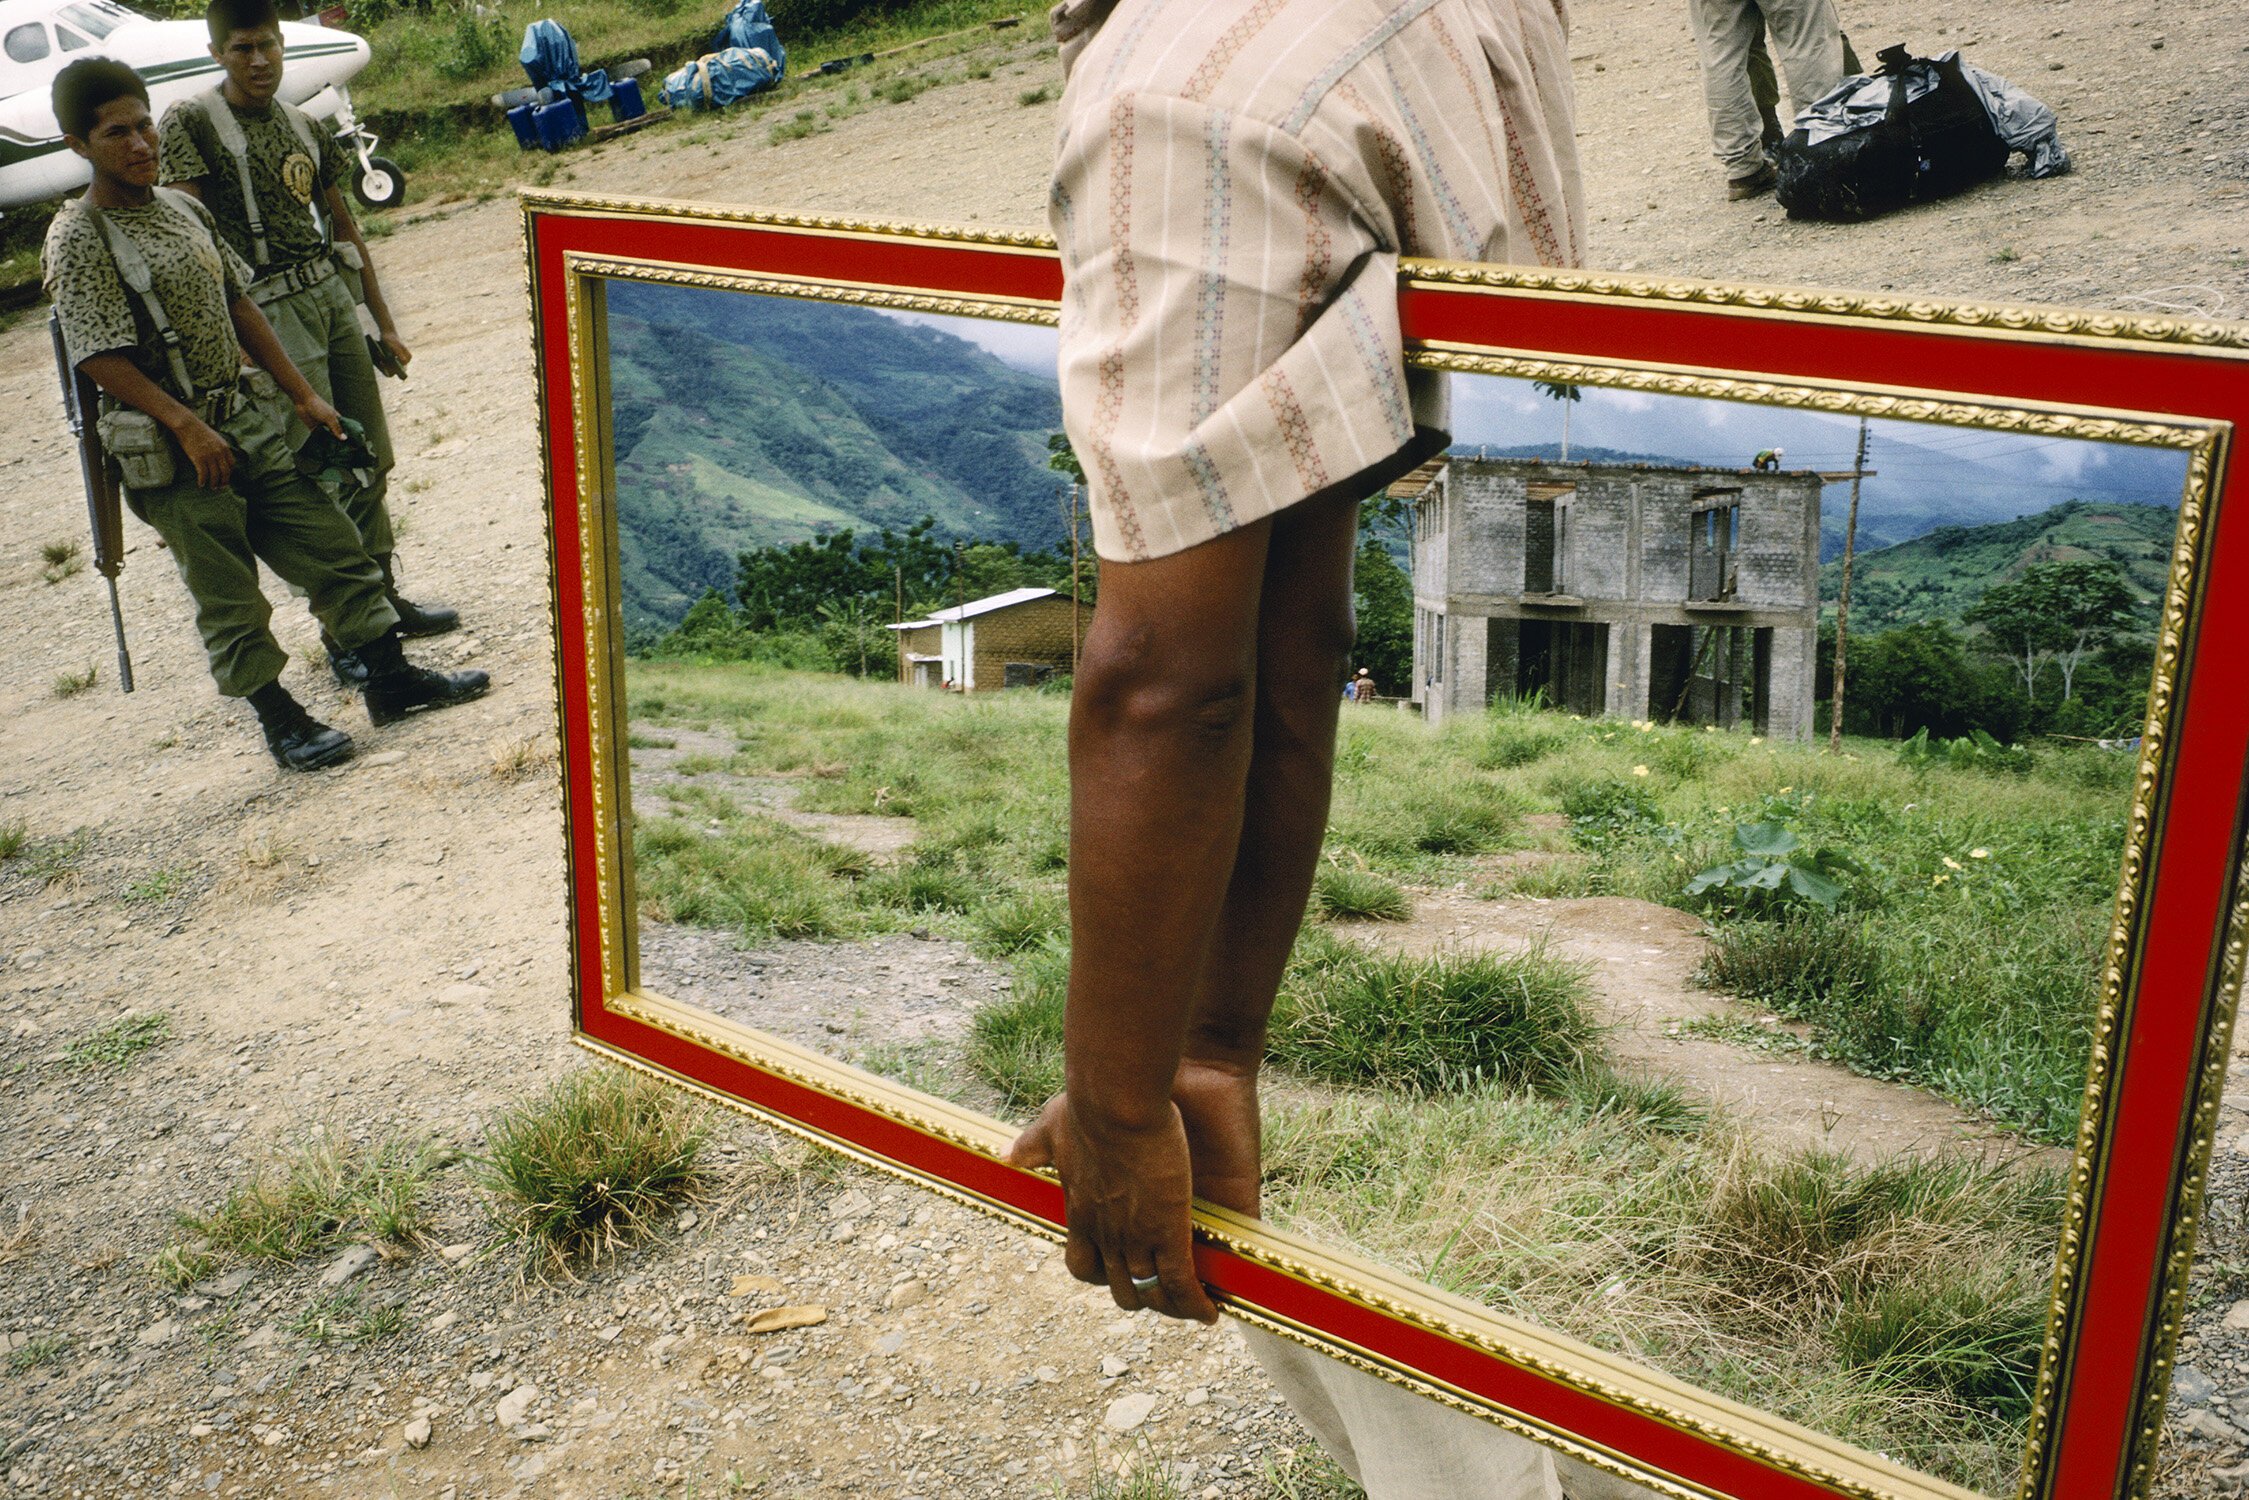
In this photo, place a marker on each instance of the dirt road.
(381, 948)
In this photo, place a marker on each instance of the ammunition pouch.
(145, 453)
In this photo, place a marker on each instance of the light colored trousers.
(1400, 1445)
(1807, 41)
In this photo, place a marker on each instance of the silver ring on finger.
(1146, 1284)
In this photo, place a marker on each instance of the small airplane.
(37, 37)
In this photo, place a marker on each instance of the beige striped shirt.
(1234, 183)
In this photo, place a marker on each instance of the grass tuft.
(329, 1191)
(342, 1317)
(586, 1166)
(14, 838)
(37, 1353)
(71, 684)
(1015, 924)
(1432, 1025)
(60, 560)
(182, 1266)
(1015, 1044)
(1341, 894)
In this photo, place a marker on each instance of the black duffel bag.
(1933, 140)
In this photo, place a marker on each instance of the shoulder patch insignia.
(296, 176)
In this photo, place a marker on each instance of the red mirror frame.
(2176, 959)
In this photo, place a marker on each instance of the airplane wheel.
(379, 184)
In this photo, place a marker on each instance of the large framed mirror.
(1772, 963)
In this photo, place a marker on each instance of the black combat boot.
(299, 741)
(396, 687)
(415, 619)
(349, 669)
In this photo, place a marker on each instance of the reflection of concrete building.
(1634, 590)
(1016, 639)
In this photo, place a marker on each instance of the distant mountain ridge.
(740, 421)
(1940, 576)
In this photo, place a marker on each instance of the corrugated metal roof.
(975, 607)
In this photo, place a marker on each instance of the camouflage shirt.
(194, 275)
(285, 180)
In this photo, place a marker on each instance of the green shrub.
(1977, 1339)
(1428, 1025)
(1604, 814)
(478, 47)
(1516, 740)
(1015, 1044)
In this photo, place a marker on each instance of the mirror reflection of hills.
(739, 421)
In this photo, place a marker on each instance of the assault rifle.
(103, 503)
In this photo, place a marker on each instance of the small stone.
(2190, 1387)
(750, 1284)
(418, 1433)
(514, 1405)
(1128, 1412)
(688, 1220)
(891, 1342)
(1113, 1367)
(455, 1254)
(225, 1286)
(2237, 1316)
(905, 1294)
(383, 758)
(1047, 1375)
(201, 1430)
(460, 994)
(349, 1266)
(482, 1380)
(443, 1321)
(158, 1333)
(2211, 1428)
(1196, 1397)
(849, 1205)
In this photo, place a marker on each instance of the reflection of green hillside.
(1941, 575)
(740, 421)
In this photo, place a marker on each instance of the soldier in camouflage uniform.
(153, 309)
(274, 181)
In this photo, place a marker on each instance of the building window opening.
(1713, 545)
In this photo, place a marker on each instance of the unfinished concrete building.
(1637, 591)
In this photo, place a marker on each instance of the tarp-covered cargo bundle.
(550, 57)
(746, 58)
(1920, 130)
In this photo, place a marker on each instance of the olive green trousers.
(319, 327)
(269, 513)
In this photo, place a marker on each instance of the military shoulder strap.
(132, 268)
(231, 139)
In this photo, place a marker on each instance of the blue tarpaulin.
(747, 26)
(718, 79)
(550, 57)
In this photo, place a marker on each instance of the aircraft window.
(95, 20)
(71, 40)
(26, 43)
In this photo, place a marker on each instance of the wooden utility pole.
(1843, 596)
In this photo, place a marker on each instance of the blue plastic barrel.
(624, 100)
(526, 134)
(558, 124)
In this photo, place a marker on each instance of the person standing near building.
(1730, 36)
(153, 308)
(1234, 185)
(274, 180)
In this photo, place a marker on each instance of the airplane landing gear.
(377, 181)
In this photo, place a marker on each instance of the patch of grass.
(1307, 1473)
(343, 1317)
(120, 1042)
(756, 876)
(37, 1353)
(905, 88)
(14, 838)
(60, 560)
(638, 741)
(803, 124)
(1739, 1033)
(920, 889)
(1145, 1477)
(181, 1266)
(1015, 1044)
(330, 1190)
(1341, 894)
(587, 1165)
(1347, 1014)
(698, 764)
(156, 885)
(1039, 95)
(71, 684)
(1013, 924)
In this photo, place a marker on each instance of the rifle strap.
(220, 116)
(132, 268)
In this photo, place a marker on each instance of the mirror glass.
(1633, 1002)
